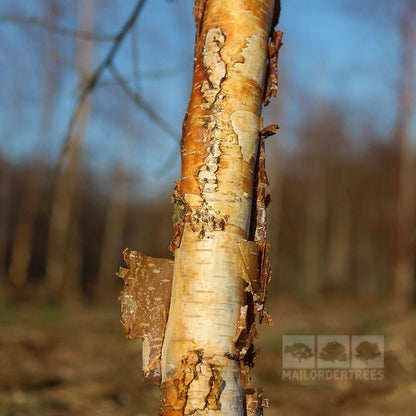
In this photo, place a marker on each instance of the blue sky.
(331, 54)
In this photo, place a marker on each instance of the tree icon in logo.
(367, 351)
(299, 350)
(333, 351)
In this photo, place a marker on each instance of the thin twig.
(113, 50)
(135, 60)
(163, 169)
(97, 74)
(147, 75)
(34, 21)
(145, 106)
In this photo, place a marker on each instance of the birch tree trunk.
(32, 200)
(5, 175)
(220, 269)
(67, 180)
(404, 267)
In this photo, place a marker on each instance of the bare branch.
(106, 62)
(146, 75)
(34, 21)
(135, 60)
(143, 105)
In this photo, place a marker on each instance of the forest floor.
(74, 360)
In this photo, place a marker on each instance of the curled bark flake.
(177, 236)
(276, 14)
(256, 272)
(249, 265)
(241, 323)
(261, 201)
(260, 232)
(145, 302)
(199, 6)
(255, 402)
(245, 375)
(247, 349)
(245, 352)
(272, 78)
(265, 277)
(269, 130)
(267, 317)
(180, 211)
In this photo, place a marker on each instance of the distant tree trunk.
(221, 268)
(339, 242)
(4, 217)
(25, 228)
(31, 204)
(74, 252)
(404, 267)
(277, 172)
(113, 229)
(316, 215)
(67, 179)
(365, 270)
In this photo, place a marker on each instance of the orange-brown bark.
(236, 22)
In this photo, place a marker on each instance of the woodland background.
(88, 160)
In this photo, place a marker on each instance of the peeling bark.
(199, 6)
(195, 388)
(255, 402)
(180, 211)
(145, 306)
(274, 47)
(221, 268)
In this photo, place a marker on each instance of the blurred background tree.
(341, 170)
